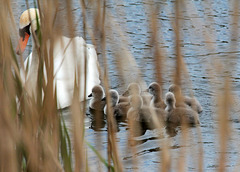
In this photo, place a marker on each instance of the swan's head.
(154, 89)
(27, 25)
(170, 99)
(136, 101)
(133, 89)
(114, 97)
(97, 92)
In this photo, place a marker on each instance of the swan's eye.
(24, 30)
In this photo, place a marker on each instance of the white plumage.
(69, 57)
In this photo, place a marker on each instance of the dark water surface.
(206, 39)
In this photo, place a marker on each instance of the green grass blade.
(65, 147)
(100, 157)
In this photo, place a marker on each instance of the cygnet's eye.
(169, 100)
(151, 89)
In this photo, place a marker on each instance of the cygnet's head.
(170, 99)
(132, 89)
(154, 89)
(114, 97)
(175, 89)
(27, 24)
(97, 92)
(136, 101)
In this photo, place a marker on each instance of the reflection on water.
(201, 21)
(97, 119)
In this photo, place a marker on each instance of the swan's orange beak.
(22, 43)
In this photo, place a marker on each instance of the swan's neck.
(33, 71)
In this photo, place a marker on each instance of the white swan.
(68, 54)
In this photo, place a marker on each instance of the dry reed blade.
(8, 132)
(159, 68)
(177, 76)
(112, 147)
(224, 127)
(178, 5)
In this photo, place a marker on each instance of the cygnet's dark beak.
(126, 93)
(90, 95)
(147, 90)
